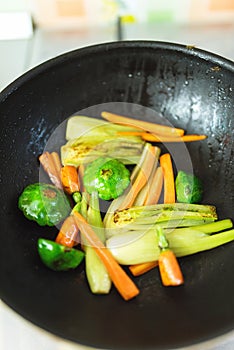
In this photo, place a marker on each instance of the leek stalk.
(166, 215)
(97, 275)
(134, 247)
(90, 138)
(78, 126)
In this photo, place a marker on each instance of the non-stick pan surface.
(193, 89)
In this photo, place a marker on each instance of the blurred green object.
(58, 257)
(188, 188)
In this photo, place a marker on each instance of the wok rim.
(171, 46)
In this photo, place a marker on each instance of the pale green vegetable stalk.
(84, 204)
(197, 241)
(97, 275)
(82, 125)
(214, 227)
(90, 138)
(134, 247)
(166, 215)
(82, 207)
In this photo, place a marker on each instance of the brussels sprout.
(107, 176)
(188, 188)
(44, 203)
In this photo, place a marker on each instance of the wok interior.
(192, 90)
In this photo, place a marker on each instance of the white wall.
(13, 5)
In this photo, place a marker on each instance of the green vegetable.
(96, 272)
(77, 196)
(58, 257)
(188, 188)
(162, 241)
(79, 126)
(108, 176)
(84, 204)
(90, 138)
(135, 247)
(44, 203)
(166, 215)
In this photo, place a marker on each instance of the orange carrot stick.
(151, 137)
(141, 124)
(150, 185)
(125, 286)
(50, 165)
(156, 188)
(169, 268)
(185, 138)
(57, 161)
(140, 269)
(70, 179)
(168, 175)
(68, 234)
(141, 179)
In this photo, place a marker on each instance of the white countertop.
(17, 56)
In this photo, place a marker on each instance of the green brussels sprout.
(107, 176)
(188, 188)
(44, 203)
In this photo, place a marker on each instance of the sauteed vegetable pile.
(154, 216)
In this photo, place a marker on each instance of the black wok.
(193, 89)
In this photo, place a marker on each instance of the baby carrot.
(168, 175)
(169, 268)
(52, 166)
(57, 161)
(141, 178)
(140, 269)
(68, 234)
(185, 138)
(121, 280)
(70, 180)
(156, 187)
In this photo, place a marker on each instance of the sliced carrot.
(116, 203)
(149, 186)
(156, 187)
(141, 124)
(68, 234)
(141, 179)
(125, 286)
(185, 138)
(57, 161)
(169, 268)
(51, 165)
(140, 269)
(70, 179)
(168, 175)
(151, 137)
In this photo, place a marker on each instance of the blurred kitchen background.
(33, 31)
